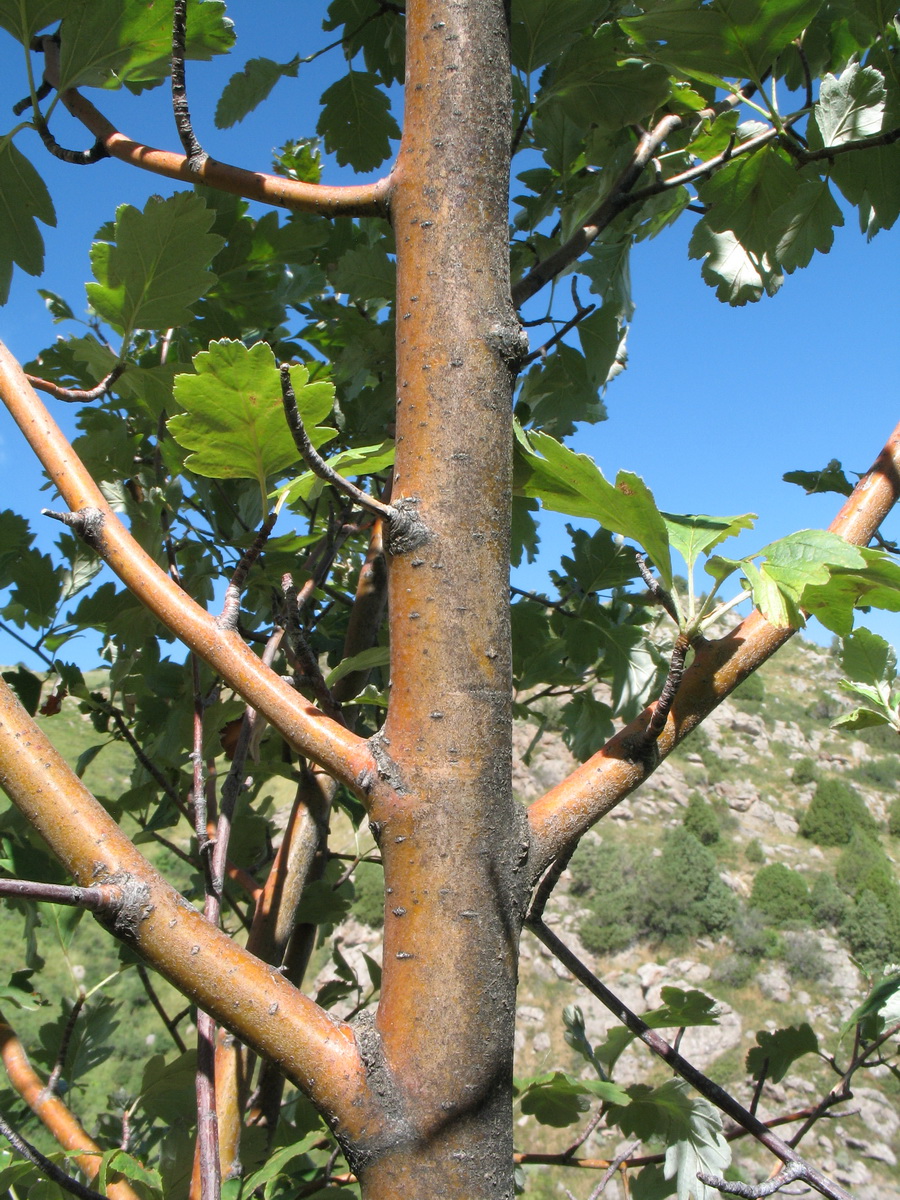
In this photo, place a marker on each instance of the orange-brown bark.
(368, 199)
(560, 817)
(252, 999)
(326, 742)
(452, 840)
(54, 1113)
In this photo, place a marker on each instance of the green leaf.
(728, 38)
(275, 1166)
(595, 88)
(247, 89)
(541, 29)
(738, 276)
(608, 267)
(235, 423)
(365, 273)
(880, 995)
(807, 220)
(745, 194)
(377, 656)
(876, 585)
(861, 718)
(362, 460)
(558, 1099)
(24, 200)
(795, 563)
(587, 724)
(120, 1162)
(573, 484)
(106, 43)
(848, 108)
(690, 1128)
(156, 265)
(24, 18)
(680, 1009)
(868, 658)
(694, 534)
(356, 121)
(830, 479)
(86, 757)
(775, 1053)
(167, 1088)
(36, 595)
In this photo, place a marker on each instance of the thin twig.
(62, 1052)
(306, 661)
(77, 395)
(541, 351)
(196, 155)
(102, 898)
(657, 591)
(751, 1191)
(660, 715)
(232, 606)
(50, 1169)
(317, 464)
(706, 1087)
(618, 1161)
(154, 999)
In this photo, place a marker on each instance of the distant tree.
(834, 812)
(868, 933)
(781, 894)
(700, 819)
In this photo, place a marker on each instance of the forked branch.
(361, 200)
(340, 752)
(564, 813)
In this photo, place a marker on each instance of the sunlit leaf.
(356, 121)
(775, 1053)
(24, 200)
(249, 87)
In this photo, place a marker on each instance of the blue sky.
(716, 404)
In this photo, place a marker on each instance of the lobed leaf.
(247, 88)
(573, 484)
(694, 534)
(24, 200)
(775, 1053)
(156, 264)
(234, 421)
(356, 121)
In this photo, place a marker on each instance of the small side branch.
(196, 155)
(232, 607)
(717, 1095)
(104, 898)
(67, 1182)
(77, 395)
(657, 591)
(358, 200)
(316, 463)
(64, 1042)
(660, 715)
(792, 1171)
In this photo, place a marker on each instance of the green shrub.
(735, 971)
(606, 877)
(804, 957)
(676, 895)
(835, 810)
(685, 896)
(780, 894)
(754, 852)
(805, 771)
(861, 856)
(700, 819)
(753, 938)
(830, 906)
(868, 933)
(882, 772)
(368, 884)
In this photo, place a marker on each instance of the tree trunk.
(454, 841)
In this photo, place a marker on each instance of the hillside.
(742, 787)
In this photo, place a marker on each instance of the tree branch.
(360, 200)
(342, 753)
(77, 395)
(318, 1053)
(54, 1114)
(560, 817)
(717, 1095)
(196, 155)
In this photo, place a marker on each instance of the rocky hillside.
(757, 763)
